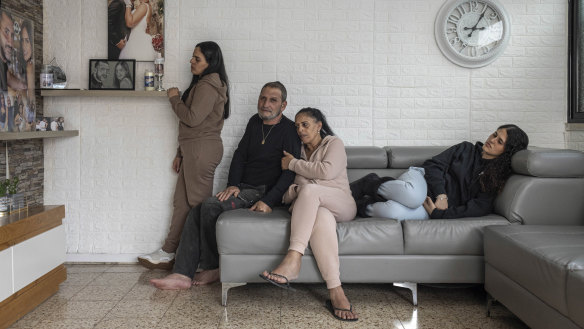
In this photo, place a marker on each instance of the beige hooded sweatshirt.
(201, 116)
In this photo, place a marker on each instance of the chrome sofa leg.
(413, 287)
(225, 286)
(490, 302)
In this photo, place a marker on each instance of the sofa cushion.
(447, 237)
(539, 258)
(576, 295)
(370, 236)
(244, 232)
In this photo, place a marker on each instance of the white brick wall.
(372, 66)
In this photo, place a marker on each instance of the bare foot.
(172, 281)
(206, 277)
(289, 267)
(340, 301)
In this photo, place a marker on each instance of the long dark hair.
(318, 116)
(498, 170)
(214, 58)
(126, 67)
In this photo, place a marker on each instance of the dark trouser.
(198, 244)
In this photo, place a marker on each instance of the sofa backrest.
(547, 186)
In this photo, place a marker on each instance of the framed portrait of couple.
(135, 29)
(106, 74)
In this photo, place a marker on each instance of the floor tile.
(68, 291)
(40, 313)
(91, 292)
(67, 323)
(80, 279)
(149, 292)
(116, 279)
(189, 321)
(82, 310)
(127, 269)
(139, 308)
(303, 312)
(78, 268)
(127, 323)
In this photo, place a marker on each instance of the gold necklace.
(268, 134)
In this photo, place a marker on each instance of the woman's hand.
(176, 164)
(171, 92)
(429, 205)
(286, 160)
(441, 202)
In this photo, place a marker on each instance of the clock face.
(472, 33)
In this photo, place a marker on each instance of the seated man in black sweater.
(256, 181)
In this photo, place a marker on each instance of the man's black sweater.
(456, 172)
(257, 164)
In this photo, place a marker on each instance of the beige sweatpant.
(316, 211)
(194, 184)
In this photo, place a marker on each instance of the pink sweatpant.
(316, 211)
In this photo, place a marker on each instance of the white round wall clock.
(472, 33)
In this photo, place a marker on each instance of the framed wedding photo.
(142, 41)
(112, 75)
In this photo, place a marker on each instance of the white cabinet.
(6, 279)
(32, 257)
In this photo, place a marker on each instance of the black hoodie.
(456, 173)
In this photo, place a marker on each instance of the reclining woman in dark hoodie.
(462, 181)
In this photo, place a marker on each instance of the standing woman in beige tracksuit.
(201, 112)
(320, 197)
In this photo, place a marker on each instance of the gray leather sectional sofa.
(537, 272)
(547, 188)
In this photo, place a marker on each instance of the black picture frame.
(97, 80)
(575, 65)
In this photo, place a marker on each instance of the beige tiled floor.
(119, 296)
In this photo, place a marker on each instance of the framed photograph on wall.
(144, 38)
(17, 74)
(112, 75)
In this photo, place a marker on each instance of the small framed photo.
(112, 74)
(50, 124)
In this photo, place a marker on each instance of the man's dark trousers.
(198, 243)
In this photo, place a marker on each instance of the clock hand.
(475, 26)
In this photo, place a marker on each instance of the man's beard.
(270, 117)
(4, 58)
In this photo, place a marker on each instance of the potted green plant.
(10, 200)
(4, 198)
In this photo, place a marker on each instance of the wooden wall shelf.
(100, 93)
(38, 134)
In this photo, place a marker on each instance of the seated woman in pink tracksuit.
(320, 197)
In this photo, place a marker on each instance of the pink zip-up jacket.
(327, 166)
